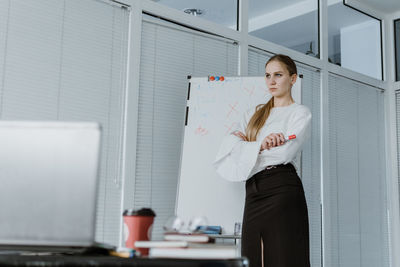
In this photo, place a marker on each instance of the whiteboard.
(213, 109)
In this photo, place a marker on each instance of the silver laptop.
(48, 184)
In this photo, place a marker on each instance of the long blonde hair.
(262, 112)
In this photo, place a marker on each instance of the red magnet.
(212, 78)
(221, 78)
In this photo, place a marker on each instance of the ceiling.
(290, 23)
(224, 11)
(384, 6)
(261, 7)
(301, 29)
(220, 11)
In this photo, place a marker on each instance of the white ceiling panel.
(385, 6)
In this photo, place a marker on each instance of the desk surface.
(83, 260)
(225, 236)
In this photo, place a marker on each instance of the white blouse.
(238, 160)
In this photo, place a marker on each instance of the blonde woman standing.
(275, 229)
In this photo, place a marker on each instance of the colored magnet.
(221, 78)
(216, 78)
(212, 78)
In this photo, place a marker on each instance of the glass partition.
(290, 23)
(354, 40)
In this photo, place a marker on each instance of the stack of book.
(189, 246)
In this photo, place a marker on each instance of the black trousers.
(276, 212)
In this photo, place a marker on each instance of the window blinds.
(311, 155)
(357, 181)
(398, 133)
(169, 54)
(66, 60)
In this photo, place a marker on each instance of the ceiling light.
(194, 11)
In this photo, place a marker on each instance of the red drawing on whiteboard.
(201, 131)
(248, 91)
(229, 128)
(232, 109)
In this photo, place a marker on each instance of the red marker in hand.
(290, 137)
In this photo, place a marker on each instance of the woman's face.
(278, 79)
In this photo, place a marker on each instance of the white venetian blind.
(358, 235)
(311, 156)
(169, 54)
(398, 133)
(66, 60)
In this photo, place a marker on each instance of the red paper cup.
(138, 225)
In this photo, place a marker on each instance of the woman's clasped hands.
(272, 140)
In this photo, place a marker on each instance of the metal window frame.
(396, 53)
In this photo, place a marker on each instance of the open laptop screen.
(48, 183)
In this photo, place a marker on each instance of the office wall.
(357, 199)
(398, 132)
(169, 54)
(66, 60)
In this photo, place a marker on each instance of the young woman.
(275, 222)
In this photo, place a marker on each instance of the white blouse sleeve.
(300, 125)
(236, 158)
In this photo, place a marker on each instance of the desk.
(236, 238)
(99, 261)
